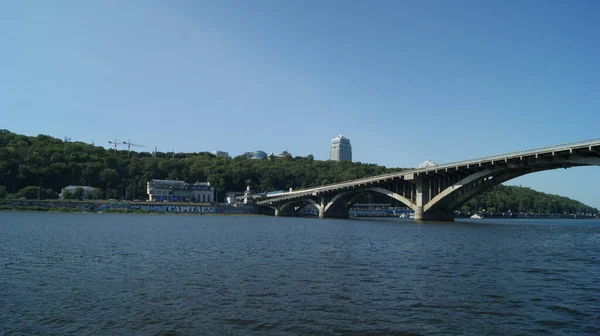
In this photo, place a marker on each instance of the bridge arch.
(341, 203)
(462, 191)
(434, 192)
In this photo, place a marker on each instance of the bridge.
(435, 192)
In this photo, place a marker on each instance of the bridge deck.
(557, 149)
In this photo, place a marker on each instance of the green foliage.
(29, 161)
(80, 193)
(3, 192)
(519, 199)
(50, 194)
(37, 209)
(34, 192)
(77, 193)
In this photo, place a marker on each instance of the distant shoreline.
(119, 207)
(103, 206)
(25, 209)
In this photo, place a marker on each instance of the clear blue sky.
(406, 81)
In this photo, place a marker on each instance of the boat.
(406, 215)
(476, 216)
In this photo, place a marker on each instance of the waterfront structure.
(340, 149)
(179, 191)
(248, 196)
(220, 154)
(231, 197)
(435, 191)
(87, 190)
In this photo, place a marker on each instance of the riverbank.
(124, 207)
(104, 206)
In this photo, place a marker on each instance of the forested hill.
(53, 164)
(29, 161)
(520, 199)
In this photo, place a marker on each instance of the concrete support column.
(430, 188)
(276, 212)
(321, 212)
(419, 213)
(420, 194)
(322, 207)
(419, 200)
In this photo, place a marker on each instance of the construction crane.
(115, 143)
(129, 145)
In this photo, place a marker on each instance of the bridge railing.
(341, 184)
(451, 164)
(524, 152)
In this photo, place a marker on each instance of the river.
(103, 274)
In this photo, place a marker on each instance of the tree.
(31, 192)
(3, 192)
(50, 194)
(97, 193)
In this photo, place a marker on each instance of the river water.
(103, 274)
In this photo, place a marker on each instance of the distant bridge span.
(435, 192)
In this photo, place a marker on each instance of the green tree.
(50, 194)
(97, 193)
(31, 192)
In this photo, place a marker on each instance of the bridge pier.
(334, 213)
(434, 191)
(418, 213)
(282, 212)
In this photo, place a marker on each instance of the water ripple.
(70, 274)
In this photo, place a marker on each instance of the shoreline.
(103, 206)
(113, 207)
(144, 212)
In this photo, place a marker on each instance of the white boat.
(476, 216)
(407, 215)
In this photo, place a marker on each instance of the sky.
(405, 81)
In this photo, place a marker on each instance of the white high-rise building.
(340, 149)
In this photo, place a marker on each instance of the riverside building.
(179, 191)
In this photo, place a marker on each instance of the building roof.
(340, 137)
(171, 182)
(69, 187)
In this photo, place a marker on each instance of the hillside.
(53, 163)
(521, 199)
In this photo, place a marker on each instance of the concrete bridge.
(435, 192)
